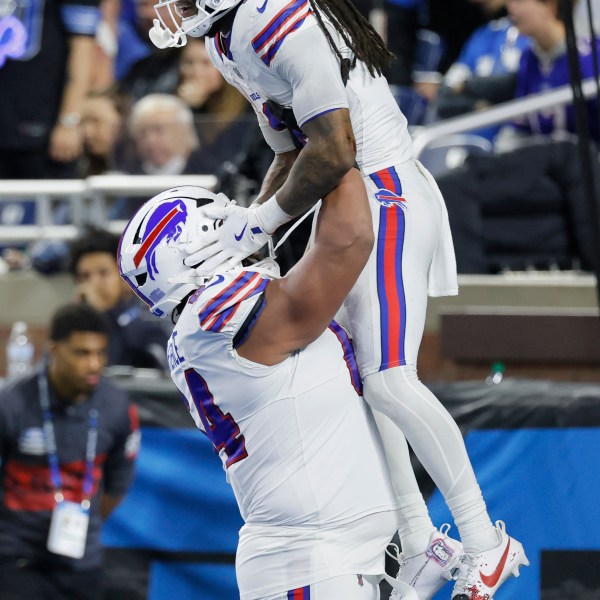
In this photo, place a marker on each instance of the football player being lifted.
(312, 70)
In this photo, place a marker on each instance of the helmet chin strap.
(267, 266)
(296, 224)
(189, 277)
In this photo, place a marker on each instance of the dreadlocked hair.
(357, 33)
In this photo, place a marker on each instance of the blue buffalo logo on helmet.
(388, 199)
(165, 223)
(152, 250)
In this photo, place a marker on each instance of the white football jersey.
(296, 440)
(277, 51)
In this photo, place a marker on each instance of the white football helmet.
(151, 251)
(171, 28)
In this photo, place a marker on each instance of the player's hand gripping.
(238, 237)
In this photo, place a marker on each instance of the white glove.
(238, 237)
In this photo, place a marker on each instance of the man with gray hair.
(162, 129)
(165, 142)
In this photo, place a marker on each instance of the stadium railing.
(500, 113)
(88, 199)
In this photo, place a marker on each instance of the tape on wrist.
(270, 215)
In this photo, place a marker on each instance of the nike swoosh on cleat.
(261, 9)
(492, 580)
(239, 237)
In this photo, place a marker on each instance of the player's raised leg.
(408, 217)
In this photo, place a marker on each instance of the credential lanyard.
(50, 438)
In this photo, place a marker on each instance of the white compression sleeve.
(414, 524)
(438, 444)
(270, 215)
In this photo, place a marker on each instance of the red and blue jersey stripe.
(288, 19)
(349, 356)
(299, 593)
(222, 46)
(218, 47)
(390, 284)
(221, 309)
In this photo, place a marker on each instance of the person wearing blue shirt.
(494, 49)
(545, 66)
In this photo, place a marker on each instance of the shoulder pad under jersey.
(218, 303)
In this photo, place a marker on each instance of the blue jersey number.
(221, 429)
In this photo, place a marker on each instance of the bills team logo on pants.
(388, 199)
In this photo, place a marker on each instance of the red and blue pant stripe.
(390, 284)
(299, 593)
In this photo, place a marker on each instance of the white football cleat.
(480, 576)
(427, 572)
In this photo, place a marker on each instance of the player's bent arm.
(276, 175)
(299, 307)
(328, 155)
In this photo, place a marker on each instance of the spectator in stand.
(493, 49)
(545, 66)
(101, 122)
(68, 440)
(199, 82)
(100, 131)
(454, 21)
(46, 71)
(166, 143)
(163, 141)
(202, 87)
(135, 339)
(131, 45)
(220, 111)
(526, 207)
(139, 67)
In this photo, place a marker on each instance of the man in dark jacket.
(135, 339)
(68, 440)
